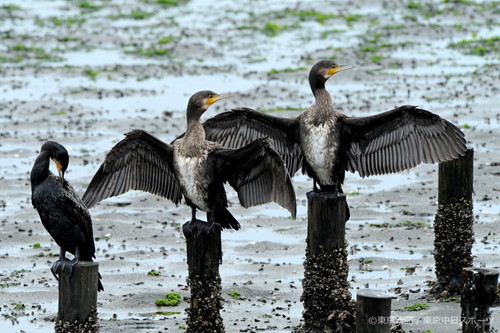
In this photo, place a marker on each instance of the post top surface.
(484, 271)
(86, 263)
(372, 293)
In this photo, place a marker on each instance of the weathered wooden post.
(453, 223)
(373, 312)
(204, 255)
(328, 304)
(478, 294)
(78, 299)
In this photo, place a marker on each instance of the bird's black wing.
(238, 127)
(257, 173)
(399, 139)
(74, 209)
(138, 162)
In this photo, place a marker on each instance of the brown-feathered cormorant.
(62, 212)
(326, 142)
(196, 169)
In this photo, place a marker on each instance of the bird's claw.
(55, 270)
(331, 197)
(64, 265)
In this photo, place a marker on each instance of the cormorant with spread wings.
(326, 142)
(196, 169)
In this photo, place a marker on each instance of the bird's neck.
(195, 131)
(323, 100)
(40, 169)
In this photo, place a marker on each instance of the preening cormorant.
(196, 169)
(62, 212)
(326, 142)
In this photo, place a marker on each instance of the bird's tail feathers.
(225, 219)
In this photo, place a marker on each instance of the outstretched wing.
(257, 173)
(138, 162)
(239, 127)
(399, 139)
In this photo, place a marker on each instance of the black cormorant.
(326, 142)
(62, 212)
(196, 169)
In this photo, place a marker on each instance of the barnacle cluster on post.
(203, 316)
(452, 245)
(326, 274)
(91, 325)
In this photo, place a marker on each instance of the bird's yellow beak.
(215, 98)
(339, 68)
(59, 167)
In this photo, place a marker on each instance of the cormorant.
(196, 169)
(326, 142)
(62, 212)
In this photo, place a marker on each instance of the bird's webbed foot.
(327, 189)
(315, 187)
(64, 264)
(331, 196)
(192, 228)
(330, 192)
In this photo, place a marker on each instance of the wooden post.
(328, 305)
(204, 255)
(326, 222)
(373, 312)
(478, 294)
(456, 179)
(78, 298)
(453, 224)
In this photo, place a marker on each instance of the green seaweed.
(148, 52)
(87, 5)
(168, 313)
(376, 58)
(416, 307)
(234, 294)
(21, 52)
(304, 15)
(166, 40)
(352, 18)
(58, 21)
(171, 299)
(286, 70)
(479, 47)
(153, 273)
(271, 29)
(92, 74)
(10, 7)
(165, 3)
(19, 306)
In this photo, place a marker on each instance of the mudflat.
(83, 73)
